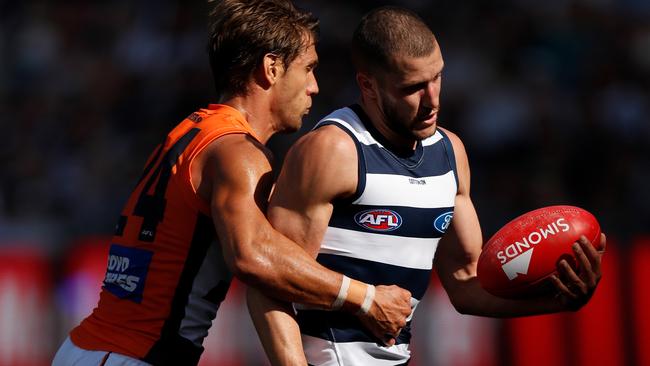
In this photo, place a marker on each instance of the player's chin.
(424, 132)
(292, 126)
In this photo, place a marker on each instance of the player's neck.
(398, 142)
(256, 112)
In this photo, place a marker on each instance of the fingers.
(576, 288)
(603, 242)
(589, 260)
(390, 339)
(587, 247)
(568, 282)
(562, 288)
(586, 264)
(575, 284)
(405, 300)
(405, 294)
(386, 335)
(387, 316)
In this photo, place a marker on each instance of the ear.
(367, 85)
(271, 69)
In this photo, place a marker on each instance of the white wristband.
(343, 293)
(367, 301)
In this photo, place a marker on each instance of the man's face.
(408, 96)
(295, 87)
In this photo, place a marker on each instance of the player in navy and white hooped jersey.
(387, 232)
(371, 190)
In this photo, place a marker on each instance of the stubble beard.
(395, 123)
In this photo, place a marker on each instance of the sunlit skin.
(295, 88)
(404, 102)
(279, 96)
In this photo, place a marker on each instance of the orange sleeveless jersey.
(165, 274)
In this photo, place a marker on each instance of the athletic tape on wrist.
(343, 293)
(367, 301)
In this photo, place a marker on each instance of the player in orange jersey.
(197, 215)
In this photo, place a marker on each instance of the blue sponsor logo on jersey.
(127, 271)
(441, 223)
(378, 220)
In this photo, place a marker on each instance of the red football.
(523, 253)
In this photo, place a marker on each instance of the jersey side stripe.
(208, 291)
(171, 348)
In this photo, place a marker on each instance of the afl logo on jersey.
(441, 223)
(378, 220)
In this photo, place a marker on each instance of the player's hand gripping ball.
(517, 260)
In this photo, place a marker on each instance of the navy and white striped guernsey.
(386, 234)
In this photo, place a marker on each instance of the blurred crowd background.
(552, 100)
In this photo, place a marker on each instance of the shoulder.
(456, 142)
(328, 140)
(459, 149)
(462, 162)
(324, 161)
(235, 159)
(238, 147)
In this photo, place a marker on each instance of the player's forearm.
(468, 297)
(281, 269)
(277, 329)
(287, 273)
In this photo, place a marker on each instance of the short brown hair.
(243, 31)
(388, 31)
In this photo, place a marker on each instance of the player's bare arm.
(277, 328)
(320, 168)
(236, 178)
(458, 253)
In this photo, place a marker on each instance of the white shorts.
(71, 355)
